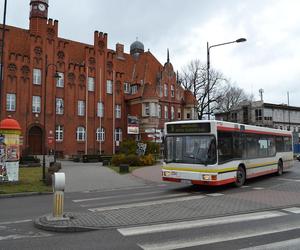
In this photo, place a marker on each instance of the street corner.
(69, 222)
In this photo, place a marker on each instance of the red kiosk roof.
(9, 124)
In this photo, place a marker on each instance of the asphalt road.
(269, 229)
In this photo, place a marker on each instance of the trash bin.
(124, 168)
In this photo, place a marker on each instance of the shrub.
(128, 147)
(152, 148)
(133, 160)
(118, 159)
(147, 160)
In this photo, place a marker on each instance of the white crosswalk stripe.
(148, 234)
(198, 223)
(286, 244)
(149, 203)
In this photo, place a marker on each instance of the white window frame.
(60, 81)
(59, 106)
(118, 134)
(147, 109)
(126, 87)
(100, 109)
(159, 111)
(172, 91)
(36, 104)
(100, 134)
(59, 133)
(81, 108)
(37, 76)
(172, 113)
(10, 102)
(133, 89)
(80, 133)
(109, 86)
(91, 84)
(166, 90)
(166, 113)
(118, 111)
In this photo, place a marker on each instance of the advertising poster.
(12, 170)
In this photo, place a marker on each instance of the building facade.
(75, 98)
(259, 113)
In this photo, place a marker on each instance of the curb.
(3, 196)
(41, 223)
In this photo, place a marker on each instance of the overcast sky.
(270, 59)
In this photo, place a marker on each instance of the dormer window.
(134, 89)
(166, 90)
(126, 88)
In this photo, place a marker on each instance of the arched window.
(80, 134)
(100, 134)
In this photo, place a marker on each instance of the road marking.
(258, 188)
(22, 236)
(116, 189)
(139, 200)
(245, 186)
(295, 210)
(142, 204)
(286, 244)
(215, 194)
(285, 179)
(118, 196)
(198, 223)
(226, 236)
(14, 222)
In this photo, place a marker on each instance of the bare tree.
(231, 98)
(194, 78)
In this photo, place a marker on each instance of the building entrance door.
(35, 139)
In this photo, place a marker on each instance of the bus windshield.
(200, 149)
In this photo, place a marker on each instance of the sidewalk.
(152, 173)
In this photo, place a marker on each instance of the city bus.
(215, 152)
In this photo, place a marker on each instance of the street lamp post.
(44, 109)
(2, 53)
(208, 68)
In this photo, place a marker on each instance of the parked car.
(298, 157)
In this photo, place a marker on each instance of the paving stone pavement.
(199, 207)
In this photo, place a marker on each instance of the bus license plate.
(186, 181)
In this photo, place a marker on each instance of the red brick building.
(75, 98)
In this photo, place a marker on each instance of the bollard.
(58, 199)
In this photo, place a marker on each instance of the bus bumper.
(200, 182)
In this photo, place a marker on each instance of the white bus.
(217, 152)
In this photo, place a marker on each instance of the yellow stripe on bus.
(201, 170)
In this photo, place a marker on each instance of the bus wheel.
(280, 168)
(240, 177)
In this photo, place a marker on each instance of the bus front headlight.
(206, 177)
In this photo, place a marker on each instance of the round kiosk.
(10, 132)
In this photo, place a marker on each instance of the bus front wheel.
(240, 177)
(280, 168)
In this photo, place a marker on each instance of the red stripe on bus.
(208, 183)
(250, 131)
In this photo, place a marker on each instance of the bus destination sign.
(188, 128)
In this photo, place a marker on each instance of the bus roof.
(231, 126)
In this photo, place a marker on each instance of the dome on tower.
(136, 48)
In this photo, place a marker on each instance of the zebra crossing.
(206, 233)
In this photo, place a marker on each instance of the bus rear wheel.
(280, 168)
(240, 177)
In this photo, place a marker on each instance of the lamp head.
(240, 40)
